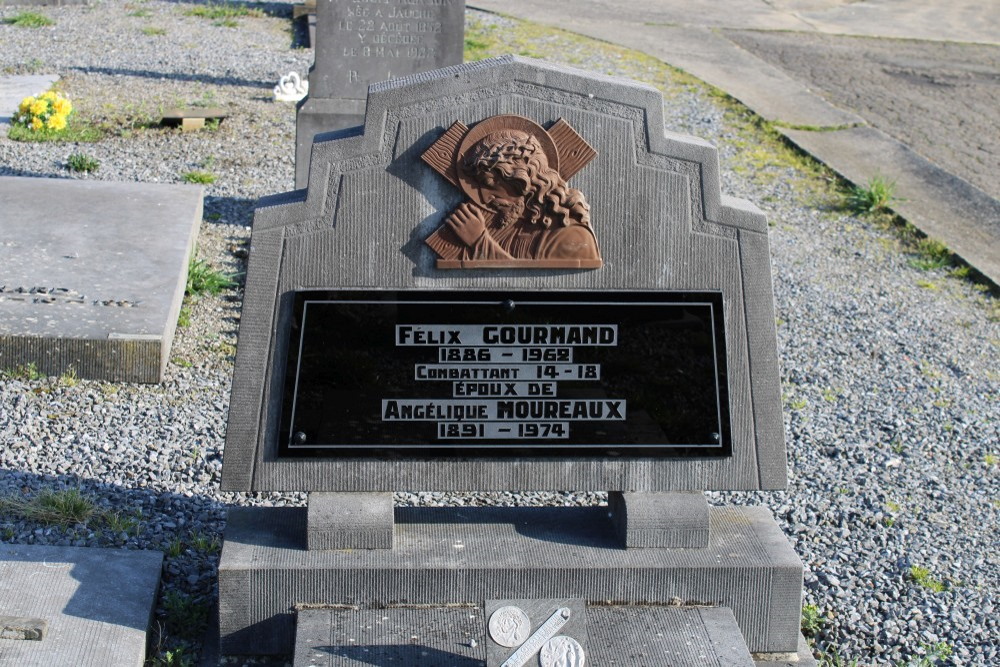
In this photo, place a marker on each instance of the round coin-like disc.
(509, 626)
(561, 651)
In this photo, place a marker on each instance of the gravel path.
(891, 374)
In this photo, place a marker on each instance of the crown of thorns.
(503, 146)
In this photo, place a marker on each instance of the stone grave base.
(95, 605)
(468, 555)
(315, 116)
(93, 274)
(632, 636)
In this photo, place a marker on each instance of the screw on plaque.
(714, 437)
(299, 438)
(509, 305)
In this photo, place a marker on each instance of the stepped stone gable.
(656, 209)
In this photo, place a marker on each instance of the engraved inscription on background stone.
(401, 31)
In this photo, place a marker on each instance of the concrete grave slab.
(92, 274)
(13, 89)
(451, 555)
(96, 604)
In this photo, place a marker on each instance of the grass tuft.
(65, 508)
(200, 177)
(224, 11)
(203, 278)
(82, 163)
(29, 20)
(875, 196)
(922, 577)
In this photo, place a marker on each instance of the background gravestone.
(350, 271)
(97, 287)
(358, 43)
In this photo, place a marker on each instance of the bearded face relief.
(521, 212)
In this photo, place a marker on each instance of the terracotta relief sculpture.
(521, 213)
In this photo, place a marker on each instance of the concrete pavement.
(700, 37)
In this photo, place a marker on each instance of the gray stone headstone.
(370, 222)
(92, 274)
(362, 42)
(89, 607)
(657, 209)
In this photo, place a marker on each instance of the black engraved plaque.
(431, 374)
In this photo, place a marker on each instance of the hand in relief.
(468, 223)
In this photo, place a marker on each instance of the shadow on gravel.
(174, 76)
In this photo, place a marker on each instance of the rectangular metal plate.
(505, 374)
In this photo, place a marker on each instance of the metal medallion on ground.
(509, 626)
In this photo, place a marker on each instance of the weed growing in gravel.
(200, 177)
(922, 577)
(184, 615)
(181, 361)
(174, 548)
(184, 317)
(172, 658)
(29, 20)
(931, 254)
(207, 544)
(82, 163)
(202, 279)
(64, 508)
(139, 13)
(933, 654)
(25, 372)
(224, 11)
(831, 658)
(990, 460)
(153, 31)
(872, 197)
(118, 522)
(812, 621)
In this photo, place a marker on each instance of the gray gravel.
(891, 374)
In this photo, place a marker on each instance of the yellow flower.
(62, 106)
(38, 107)
(37, 124)
(56, 122)
(49, 95)
(26, 104)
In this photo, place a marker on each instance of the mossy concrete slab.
(92, 274)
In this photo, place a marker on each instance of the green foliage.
(219, 12)
(207, 544)
(202, 279)
(77, 133)
(65, 508)
(931, 254)
(933, 653)
(184, 615)
(29, 20)
(172, 658)
(139, 13)
(81, 162)
(184, 317)
(922, 577)
(153, 31)
(812, 621)
(831, 658)
(873, 197)
(174, 548)
(118, 522)
(25, 372)
(201, 177)
(798, 404)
